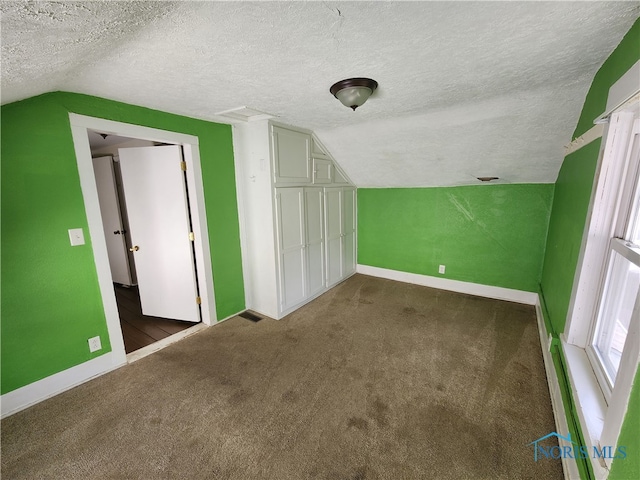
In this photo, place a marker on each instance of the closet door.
(314, 220)
(291, 156)
(334, 231)
(349, 231)
(291, 245)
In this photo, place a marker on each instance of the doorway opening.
(138, 329)
(138, 298)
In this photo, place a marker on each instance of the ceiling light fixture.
(353, 92)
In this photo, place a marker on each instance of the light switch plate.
(76, 236)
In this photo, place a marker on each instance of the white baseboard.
(17, 400)
(499, 293)
(569, 465)
(24, 397)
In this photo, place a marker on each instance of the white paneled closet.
(298, 217)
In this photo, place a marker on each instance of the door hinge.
(183, 166)
(198, 300)
(192, 236)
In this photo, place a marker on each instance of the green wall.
(566, 228)
(629, 468)
(51, 302)
(487, 234)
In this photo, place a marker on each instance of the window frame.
(601, 415)
(598, 363)
(626, 204)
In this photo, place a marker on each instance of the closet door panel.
(333, 203)
(334, 261)
(334, 230)
(314, 219)
(315, 255)
(314, 215)
(290, 213)
(291, 243)
(292, 281)
(349, 259)
(349, 218)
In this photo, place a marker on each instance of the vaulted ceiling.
(466, 89)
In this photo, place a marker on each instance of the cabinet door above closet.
(291, 156)
(322, 171)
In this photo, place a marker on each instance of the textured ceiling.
(466, 88)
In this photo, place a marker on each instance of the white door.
(334, 231)
(112, 220)
(314, 218)
(158, 212)
(291, 239)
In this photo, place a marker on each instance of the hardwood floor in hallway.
(141, 330)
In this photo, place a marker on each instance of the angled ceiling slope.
(466, 89)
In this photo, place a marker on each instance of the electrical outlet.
(94, 344)
(441, 269)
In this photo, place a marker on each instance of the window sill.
(589, 401)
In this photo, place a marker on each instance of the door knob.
(135, 248)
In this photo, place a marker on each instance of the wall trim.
(23, 397)
(586, 138)
(625, 88)
(79, 126)
(498, 293)
(569, 465)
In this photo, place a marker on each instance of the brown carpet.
(374, 380)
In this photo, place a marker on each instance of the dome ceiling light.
(353, 92)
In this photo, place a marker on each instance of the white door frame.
(79, 126)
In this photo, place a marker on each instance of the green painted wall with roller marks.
(487, 234)
(51, 303)
(566, 226)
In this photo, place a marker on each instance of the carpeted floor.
(374, 380)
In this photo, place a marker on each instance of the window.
(601, 342)
(618, 299)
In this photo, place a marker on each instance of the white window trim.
(600, 229)
(633, 255)
(601, 418)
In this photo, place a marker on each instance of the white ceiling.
(466, 89)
